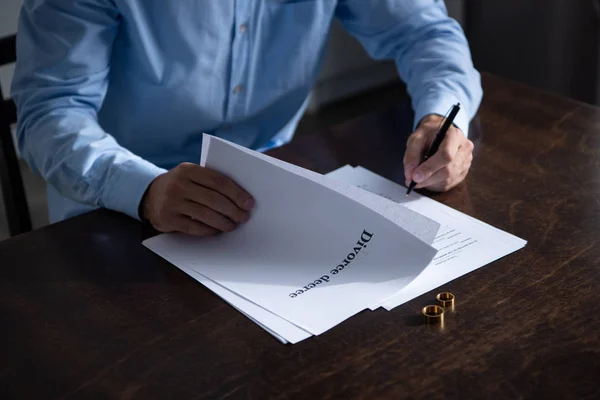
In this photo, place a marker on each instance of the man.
(113, 95)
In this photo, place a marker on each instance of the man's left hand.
(447, 167)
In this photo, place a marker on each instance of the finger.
(216, 201)
(464, 156)
(207, 215)
(447, 184)
(442, 157)
(220, 183)
(438, 179)
(185, 224)
(415, 148)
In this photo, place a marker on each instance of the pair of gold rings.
(434, 314)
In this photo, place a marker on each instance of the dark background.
(550, 44)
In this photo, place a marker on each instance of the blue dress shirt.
(112, 93)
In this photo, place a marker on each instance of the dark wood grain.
(87, 312)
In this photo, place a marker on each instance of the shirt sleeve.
(63, 60)
(430, 50)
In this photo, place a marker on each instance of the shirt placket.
(239, 60)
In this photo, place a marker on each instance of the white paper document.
(318, 249)
(309, 254)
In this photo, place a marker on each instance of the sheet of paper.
(309, 254)
(414, 223)
(288, 332)
(263, 318)
(270, 322)
(341, 173)
(463, 243)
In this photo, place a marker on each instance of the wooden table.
(87, 312)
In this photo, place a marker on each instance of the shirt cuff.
(440, 103)
(128, 184)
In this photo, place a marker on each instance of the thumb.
(415, 148)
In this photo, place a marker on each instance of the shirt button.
(243, 28)
(238, 89)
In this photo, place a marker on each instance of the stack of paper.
(319, 249)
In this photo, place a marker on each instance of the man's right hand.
(195, 200)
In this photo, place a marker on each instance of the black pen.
(439, 138)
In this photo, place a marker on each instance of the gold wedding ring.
(434, 314)
(446, 300)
